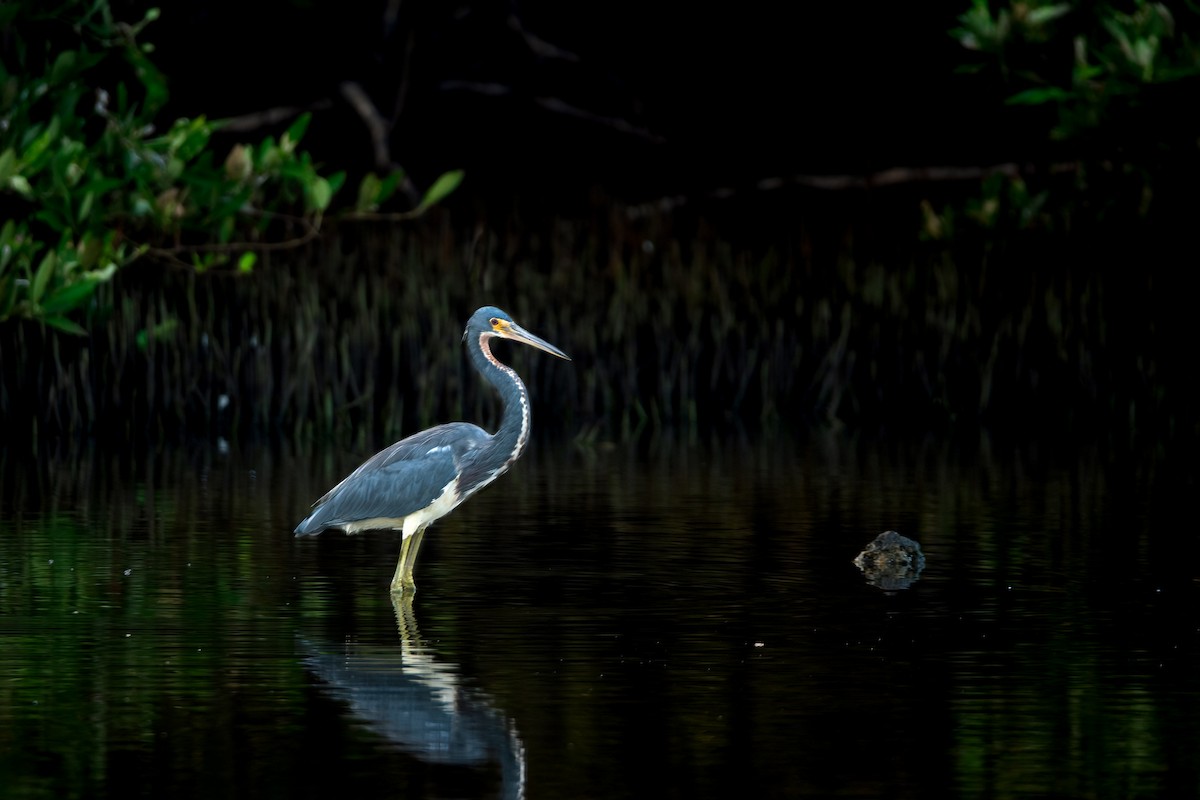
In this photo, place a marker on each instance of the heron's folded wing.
(385, 489)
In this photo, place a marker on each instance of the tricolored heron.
(424, 477)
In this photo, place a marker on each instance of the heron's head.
(491, 321)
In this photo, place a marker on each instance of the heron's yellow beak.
(511, 330)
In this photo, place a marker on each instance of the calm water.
(673, 622)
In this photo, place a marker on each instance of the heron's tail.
(310, 525)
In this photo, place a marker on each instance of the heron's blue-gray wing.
(396, 481)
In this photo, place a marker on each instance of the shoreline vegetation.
(762, 314)
(214, 278)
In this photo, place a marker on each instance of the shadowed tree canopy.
(1046, 276)
(644, 98)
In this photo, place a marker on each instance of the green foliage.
(88, 184)
(1005, 204)
(1094, 63)
(1105, 88)
(441, 188)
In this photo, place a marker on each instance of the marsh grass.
(755, 317)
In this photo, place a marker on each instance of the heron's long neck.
(512, 436)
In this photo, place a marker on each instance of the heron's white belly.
(443, 505)
(440, 507)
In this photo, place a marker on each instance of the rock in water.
(891, 561)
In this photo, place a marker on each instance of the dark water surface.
(681, 621)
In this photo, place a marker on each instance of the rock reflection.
(891, 561)
(420, 705)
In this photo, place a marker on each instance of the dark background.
(1072, 313)
(642, 99)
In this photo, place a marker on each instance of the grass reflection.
(679, 619)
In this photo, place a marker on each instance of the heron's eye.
(495, 322)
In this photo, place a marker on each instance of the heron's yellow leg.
(402, 581)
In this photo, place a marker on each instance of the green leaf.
(225, 230)
(52, 217)
(65, 325)
(63, 66)
(42, 277)
(21, 186)
(110, 269)
(368, 192)
(296, 171)
(162, 331)
(247, 261)
(198, 134)
(1039, 96)
(100, 185)
(42, 143)
(88, 250)
(336, 180)
(320, 194)
(267, 157)
(297, 129)
(388, 186)
(1040, 16)
(1143, 56)
(8, 165)
(85, 206)
(153, 81)
(441, 188)
(69, 297)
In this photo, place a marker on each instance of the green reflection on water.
(681, 622)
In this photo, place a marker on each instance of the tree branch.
(894, 176)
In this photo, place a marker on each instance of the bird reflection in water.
(420, 705)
